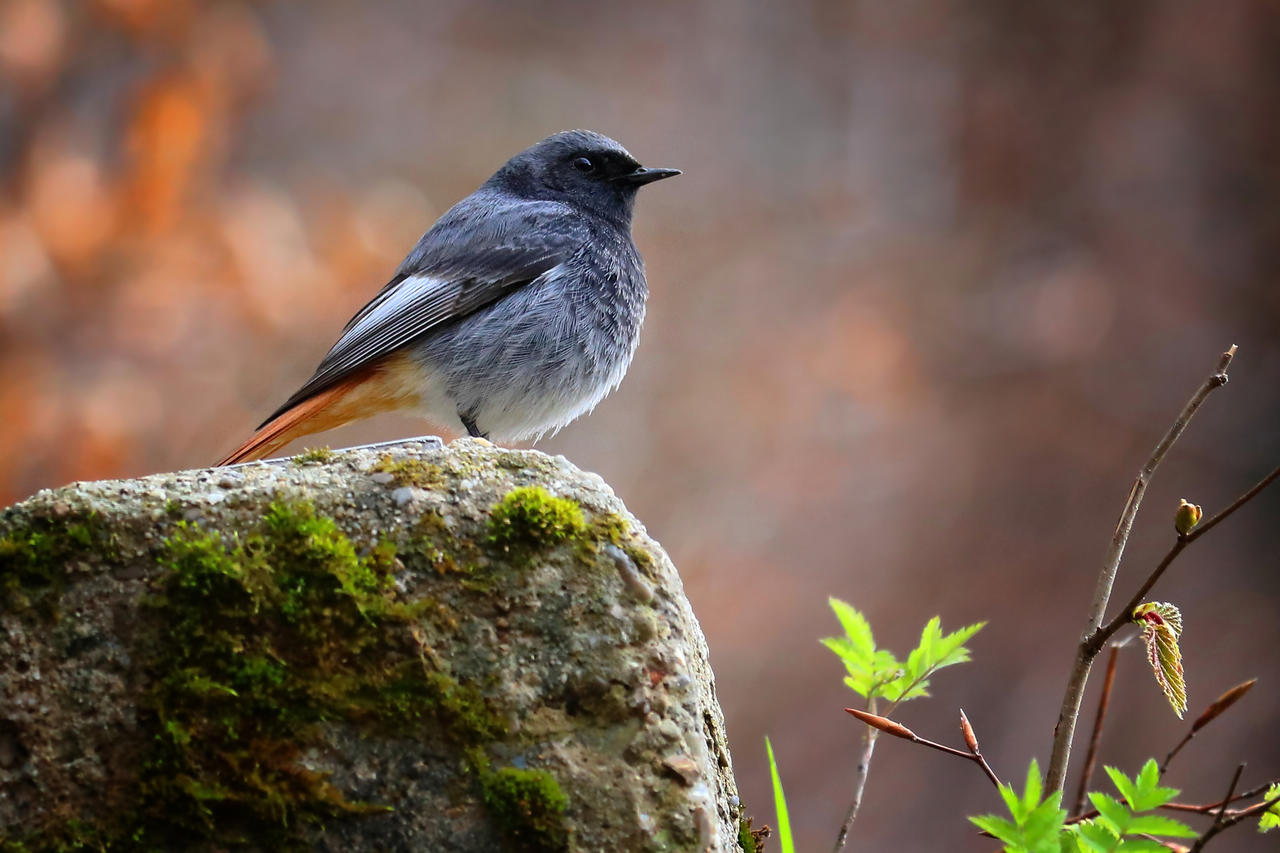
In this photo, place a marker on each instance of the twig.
(1218, 823)
(860, 781)
(971, 741)
(1242, 814)
(1103, 701)
(1210, 807)
(898, 730)
(1123, 616)
(1205, 527)
(868, 749)
(1064, 730)
(1195, 808)
(1215, 709)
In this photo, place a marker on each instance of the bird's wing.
(473, 256)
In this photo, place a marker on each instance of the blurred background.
(937, 277)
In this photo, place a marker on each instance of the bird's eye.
(582, 164)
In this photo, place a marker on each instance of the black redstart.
(518, 311)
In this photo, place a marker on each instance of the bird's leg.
(472, 430)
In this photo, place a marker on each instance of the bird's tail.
(364, 394)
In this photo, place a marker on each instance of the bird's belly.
(521, 372)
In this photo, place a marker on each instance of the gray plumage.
(523, 303)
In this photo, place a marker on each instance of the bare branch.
(1091, 756)
(971, 741)
(1218, 823)
(1122, 617)
(898, 730)
(1216, 708)
(1064, 730)
(1198, 808)
(860, 780)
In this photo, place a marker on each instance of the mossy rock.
(412, 648)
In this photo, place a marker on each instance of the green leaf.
(1111, 812)
(1271, 817)
(1161, 627)
(856, 629)
(1122, 783)
(1094, 835)
(1154, 824)
(997, 826)
(1011, 802)
(780, 804)
(1144, 792)
(934, 652)
(1033, 787)
(870, 669)
(1037, 825)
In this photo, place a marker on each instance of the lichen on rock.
(465, 648)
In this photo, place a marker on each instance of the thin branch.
(860, 780)
(898, 730)
(1203, 528)
(1218, 823)
(971, 741)
(1216, 709)
(1242, 814)
(1212, 807)
(868, 749)
(1196, 808)
(1103, 701)
(1064, 730)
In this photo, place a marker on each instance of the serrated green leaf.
(1147, 793)
(1161, 627)
(856, 628)
(1093, 835)
(860, 684)
(1036, 826)
(851, 659)
(997, 826)
(1044, 822)
(934, 652)
(1143, 793)
(785, 841)
(1271, 817)
(1011, 801)
(951, 648)
(1154, 824)
(1033, 787)
(1122, 783)
(1111, 812)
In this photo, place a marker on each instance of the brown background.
(936, 278)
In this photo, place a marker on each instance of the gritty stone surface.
(585, 651)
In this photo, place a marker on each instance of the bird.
(518, 311)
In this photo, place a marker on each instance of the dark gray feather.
(482, 249)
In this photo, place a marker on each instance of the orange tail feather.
(379, 388)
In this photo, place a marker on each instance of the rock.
(294, 656)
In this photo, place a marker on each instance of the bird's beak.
(646, 176)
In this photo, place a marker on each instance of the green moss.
(260, 640)
(616, 530)
(431, 541)
(70, 837)
(528, 806)
(314, 454)
(409, 471)
(529, 518)
(34, 557)
(751, 840)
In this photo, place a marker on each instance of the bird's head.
(581, 168)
